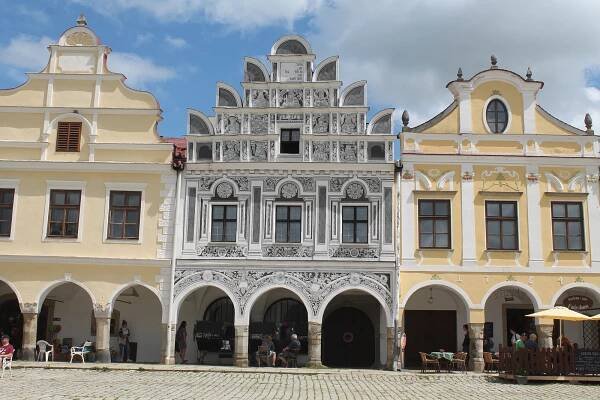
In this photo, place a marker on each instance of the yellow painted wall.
(31, 93)
(449, 124)
(114, 94)
(512, 96)
(127, 129)
(21, 126)
(128, 155)
(11, 153)
(544, 126)
(73, 93)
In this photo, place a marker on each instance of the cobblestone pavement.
(40, 383)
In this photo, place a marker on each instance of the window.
(434, 224)
(496, 116)
(289, 141)
(63, 216)
(288, 222)
(7, 197)
(501, 225)
(567, 226)
(355, 224)
(376, 151)
(124, 215)
(224, 223)
(203, 152)
(67, 136)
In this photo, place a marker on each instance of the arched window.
(220, 310)
(496, 116)
(288, 315)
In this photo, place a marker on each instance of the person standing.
(181, 341)
(124, 334)
(531, 343)
(466, 340)
(520, 343)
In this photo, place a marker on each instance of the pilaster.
(314, 345)
(240, 356)
(29, 335)
(476, 362)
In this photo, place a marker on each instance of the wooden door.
(427, 331)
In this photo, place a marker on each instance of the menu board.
(587, 362)
(291, 72)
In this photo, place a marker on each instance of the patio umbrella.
(595, 318)
(562, 314)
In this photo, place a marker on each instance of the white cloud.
(139, 71)
(409, 50)
(25, 52)
(176, 42)
(235, 14)
(143, 38)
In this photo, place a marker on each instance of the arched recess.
(52, 125)
(11, 318)
(255, 70)
(506, 306)
(199, 123)
(354, 95)
(291, 44)
(381, 123)
(327, 70)
(582, 297)
(227, 96)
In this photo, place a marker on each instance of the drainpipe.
(396, 285)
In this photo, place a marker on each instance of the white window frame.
(290, 125)
(506, 200)
(11, 184)
(302, 221)
(508, 112)
(128, 187)
(237, 221)
(343, 204)
(64, 185)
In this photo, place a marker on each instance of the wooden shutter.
(67, 136)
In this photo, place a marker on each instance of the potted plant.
(521, 376)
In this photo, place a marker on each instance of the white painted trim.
(327, 61)
(593, 219)
(15, 291)
(457, 290)
(348, 89)
(236, 95)
(11, 184)
(260, 65)
(499, 159)
(376, 117)
(388, 313)
(535, 299)
(342, 205)
(82, 110)
(407, 221)
(267, 288)
(204, 117)
(83, 166)
(467, 198)
(534, 221)
(575, 285)
(285, 38)
(508, 114)
(91, 261)
(116, 293)
(53, 285)
(64, 185)
(21, 144)
(176, 303)
(300, 203)
(124, 186)
(132, 146)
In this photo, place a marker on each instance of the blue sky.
(408, 50)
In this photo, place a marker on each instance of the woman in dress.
(181, 341)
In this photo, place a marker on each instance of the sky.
(407, 50)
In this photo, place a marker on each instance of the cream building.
(86, 199)
(499, 213)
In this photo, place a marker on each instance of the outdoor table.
(444, 357)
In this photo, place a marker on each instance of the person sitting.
(6, 350)
(268, 344)
(488, 344)
(520, 343)
(531, 343)
(291, 349)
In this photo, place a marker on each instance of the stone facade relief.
(320, 123)
(259, 124)
(258, 150)
(232, 124)
(260, 97)
(321, 151)
(231, 150)
(291, 98)
(348, 123)
(348, 152)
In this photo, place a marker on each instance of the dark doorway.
(516, 320)
(427, 331)
(11, 321)
(348, 339)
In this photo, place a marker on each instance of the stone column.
(240, 356)
(476, 347)
(545, 335)
(29, 335)
(314, 345)
(102, 339)
(167, 351)
(390, 348)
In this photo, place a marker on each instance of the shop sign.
(578, 303)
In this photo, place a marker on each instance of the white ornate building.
(285, 219)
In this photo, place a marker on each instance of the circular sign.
(348, 337)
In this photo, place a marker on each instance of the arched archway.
(506, 306)
(354, 330)
(71, 320)
(277, 312)
(210, 315)
(584, 298)
(434, 315)
(11, 319)
(141, 308)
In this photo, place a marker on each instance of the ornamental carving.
(271, 182)
(389, 151)
(307, 182)
(320, 123)
(353, 252)
(29, 308)
(258, 150)
(313, 287)
(259, 124)
(321, 98)
(231, 151)
(533, 178)
(224, 190)
(335, 184)
(242, 182)
(355, 191)
(101, 310)
(361, 151)
(232, 124)
(80, 39)
(320, 151)
(224, 251)
(260, 97)
(205, 182)
(306, 151)
(468, 176)
(348, 152)
(374, 184)
(289, 190)
(278, 250)
(348, 123)
(501, 179)
(291, 98)
(408, 175)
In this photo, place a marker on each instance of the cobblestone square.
(40, 383)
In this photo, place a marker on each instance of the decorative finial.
(529, 73)
(459, 75)
(588, 123)
(405, 118)
(494, 61)
(81, 21)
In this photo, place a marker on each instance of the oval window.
(496, 116)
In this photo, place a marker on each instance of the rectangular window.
(288, 224)
(224, 223)
(68, 135)
(124, 215)
(63, 215)
(355, 224)
(567, 226)
(434, 224)
(501, 225)
(289, 142)
(7, 197)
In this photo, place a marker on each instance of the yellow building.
(86, 197)
(498, 200)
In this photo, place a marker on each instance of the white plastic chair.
(44, 349)
(6, 363)
(81, 351)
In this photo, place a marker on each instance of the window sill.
(6, 238)
(502, 251)
(122, 241)
(53, 239)
(570, 252)
(440, 249)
